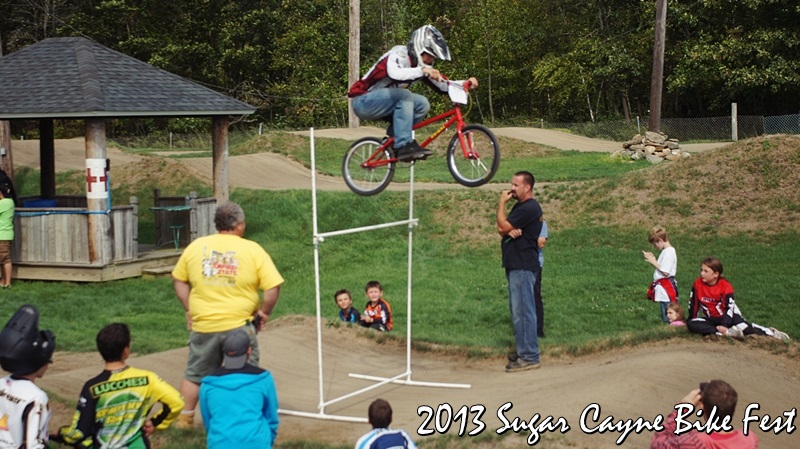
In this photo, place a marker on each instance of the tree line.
(558, 60)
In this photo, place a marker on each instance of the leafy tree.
(725, 51)
(561, 60)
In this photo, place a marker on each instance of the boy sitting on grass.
(347, 312)
(113, 406)
(378, 312)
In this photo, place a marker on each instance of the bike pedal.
(420, 156)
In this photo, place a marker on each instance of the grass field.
(594, 278)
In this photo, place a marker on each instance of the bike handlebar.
(466, 85)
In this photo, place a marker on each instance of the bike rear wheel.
(482, 158)
(362, 179)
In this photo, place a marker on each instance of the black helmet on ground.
(23, 348)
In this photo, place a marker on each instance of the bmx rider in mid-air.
(382, 93)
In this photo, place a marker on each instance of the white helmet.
(427, 39)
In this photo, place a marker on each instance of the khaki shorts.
(205, 352)
(5, 252)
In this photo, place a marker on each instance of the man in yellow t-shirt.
(217, 280)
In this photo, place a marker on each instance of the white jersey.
(24, 414)
(668, 263)
(394, 70)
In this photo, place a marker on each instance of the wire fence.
(782, 124)
(683, 129)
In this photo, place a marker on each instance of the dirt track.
(274, 172)
(626, 384)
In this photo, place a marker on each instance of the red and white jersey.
(716, 301)
(393, 69)
(24, 414)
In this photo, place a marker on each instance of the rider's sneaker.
(411, 151)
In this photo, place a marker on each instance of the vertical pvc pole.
(316, 268)
(410, 246)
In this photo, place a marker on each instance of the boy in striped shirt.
(381, 436)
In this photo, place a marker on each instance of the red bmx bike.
(473, 154)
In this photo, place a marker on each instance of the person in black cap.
(26, 353)
(235, 391)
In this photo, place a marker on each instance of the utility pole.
(353, 59)
(657, 82)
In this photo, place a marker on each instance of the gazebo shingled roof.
(74, 77)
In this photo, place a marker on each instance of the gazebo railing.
(61, 234)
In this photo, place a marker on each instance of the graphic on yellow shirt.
(122, 418)
(220, 268)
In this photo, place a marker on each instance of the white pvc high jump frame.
(403, 378)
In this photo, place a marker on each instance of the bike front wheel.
(365, 172)
(476, 163)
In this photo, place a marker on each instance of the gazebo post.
(97, 193)
(47, 158)
(219, 158)
(6, 155)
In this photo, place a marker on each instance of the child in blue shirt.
(347, 312)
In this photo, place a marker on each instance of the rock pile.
(655, 147)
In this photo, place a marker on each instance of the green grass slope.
(738, 203)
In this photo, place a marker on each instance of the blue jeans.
(406, 109)
(523, 313)
(664, 312)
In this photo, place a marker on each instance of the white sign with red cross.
(96, 179)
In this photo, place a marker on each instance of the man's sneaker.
(779, 335)
(513, 356)
(735, 332)
(185, 421)
(411, 151)
(521, 365)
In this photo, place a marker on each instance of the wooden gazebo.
(76, 78)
